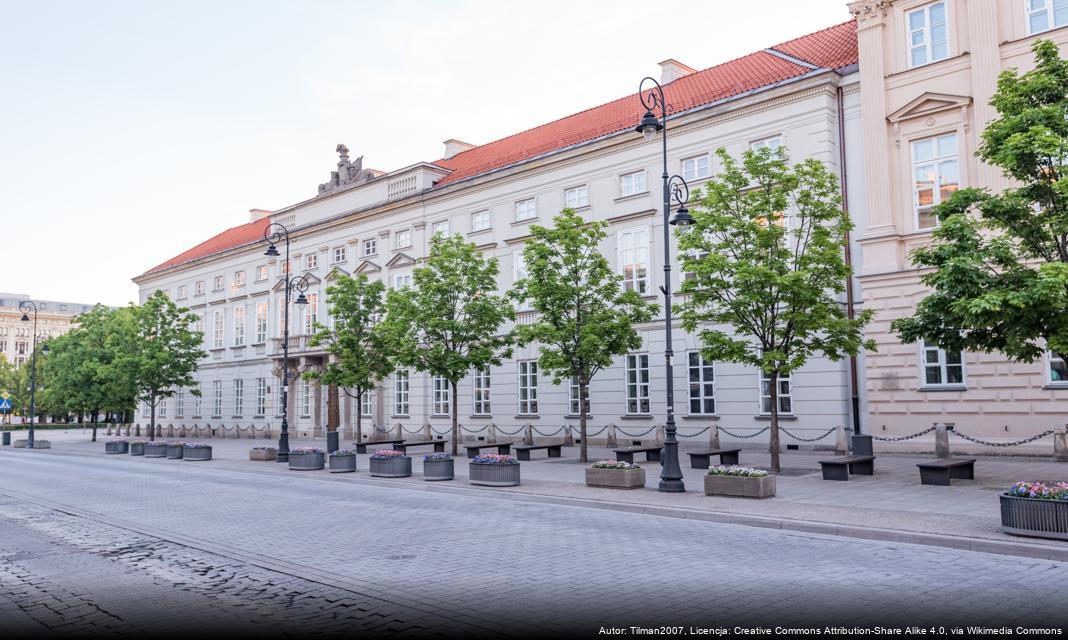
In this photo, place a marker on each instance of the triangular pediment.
(400, 260)
(927, 104)
(335, 273)
(281, 284)
(367, 267)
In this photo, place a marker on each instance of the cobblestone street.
(101, 543)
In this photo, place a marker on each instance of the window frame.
(443, 230)
(642, 285)
(638, 385)
(481, 393)
(483, 214)
(582, 196)
(239, 326)
(926, 9)
(441, 397)
(373, 244)
(239, 397)
(261, 322)
(943, 370)
(1050, 360)
(262, 273)
(573, 398)
(261, 397)
(218, 329)
(344, 254)
(217, 398)
(1051, 16)
(935, 161)
(402, 389)
(789, 395)
(219, 283)
(527, 381)
(183, 292)
(239, 278)
(311, 261)
(645, 183)
(707, 157)
(701, 398)
(403, 233)
(534, 207)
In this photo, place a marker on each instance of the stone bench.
(701, 459)
(839, 468)
(502, 448)
(652, 454)
(939, 472)
(522, 451)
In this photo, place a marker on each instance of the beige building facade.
(16, 336)
(928, 71)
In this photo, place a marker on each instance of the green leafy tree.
(363, 352)
(163, 351)
(450, 322)
(999, 262)
(585, 318)
(766, 259)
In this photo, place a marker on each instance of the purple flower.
(493, 458)
(388, 453)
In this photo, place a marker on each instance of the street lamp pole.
(273, 234)
(673, 186)
(25, 307)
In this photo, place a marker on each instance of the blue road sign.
(5, 405)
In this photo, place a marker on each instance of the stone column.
(528, 434)
(985, 51)
(942, 439)
(713, 436)
(491, 434)
(569, 437)
(349, 421)
(1060, 446)
(841, 443)
(610, 439)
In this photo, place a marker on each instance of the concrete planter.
(616, 478)
(116, 447)
(174, 452)
(494, 475)
(137, 448)
(155, 450)
(342, 462)
(42, 444)
(307, 461)
(19, 444)
(1034, 517)
(196, 454)
(263, 453)
(391, 467)
(740, 486)
(434, 470)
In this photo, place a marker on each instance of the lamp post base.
(672, 486)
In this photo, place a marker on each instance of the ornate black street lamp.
(25, 307)
(674, 186)
(273, 234)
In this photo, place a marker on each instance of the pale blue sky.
(133, 130)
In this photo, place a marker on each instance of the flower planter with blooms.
(494, 470)
(438, 466)
(743, 482)
(343, 461)
(155, 449)
(306, 459)
(1036, 509)
(196, 451)
(117, 446)
(387, 463)
(137, 447)
(174, 450)
(613, 474)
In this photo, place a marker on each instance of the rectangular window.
(632, 183)
(440, 227)
(218, 329)
(283, 267)
(941, 368)
(162, 412)
(261, 273)
(526, 209)
(772, 143)
(1043, 15)
(634, 259)
(198, 401)
(1058, 370)
(637, 383)
(441, 397)
(577, 197)
(367, 404)
(311, 261)
(786, 404)
(482, 393)
(182, 292)
(217, 397)
(239, 397)
(401, 386)
(528, 387)
(370, 247)
(261, 322)
(239, 326)
(198, 288)
(573, 397)
(305, 397)
(702, 384)
(480, 220)
(239, 279)
(695, 168)
(927, 34)
(261, 396)
(311, 313)
(401, 281)
(519, 272)
(403, 238)
(179, 404)
(340, 254)
(937, 176)
(218, 283)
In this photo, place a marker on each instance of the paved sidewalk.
(892, 505)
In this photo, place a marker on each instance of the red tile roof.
(831, 48)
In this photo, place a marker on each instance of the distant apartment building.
(927, 73)
(16, 336)
(803, 94)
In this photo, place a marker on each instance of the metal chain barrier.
(470, 430)
(899, 439)
(441, 433)
(819, 437)
(734, 435)
(631, 435)
(692, 435)
(513, 433)
(546, 435)
(597, 433)
(384, 430)
(1003, 444)
(405, 430)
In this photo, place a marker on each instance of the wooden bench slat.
(941, 472)
(839, 468)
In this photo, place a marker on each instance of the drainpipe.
(850, 310)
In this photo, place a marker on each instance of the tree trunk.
(773, 444)
(333, 408)
(583, 391)
(359, 414)
(152, 412)
(455, 421)
(95, 412)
